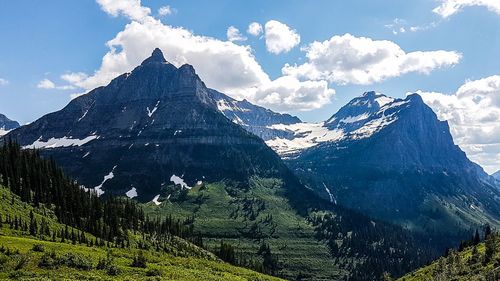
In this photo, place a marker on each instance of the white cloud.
(129, 8)
(3, 82)
(165, 11)
(223, 65)
(233, 34)
(288, 93)
(75, 78)
(401, 26)
(254, 29)
(46, 84)
(348, 59)
(451, 7)
(473, 113)
(280, 38)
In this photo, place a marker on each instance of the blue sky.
(48, 39)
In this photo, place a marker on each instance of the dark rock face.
(253, 118)
(408, 171)
(6, 124)
(144, 127)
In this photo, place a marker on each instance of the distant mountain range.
(6, 124)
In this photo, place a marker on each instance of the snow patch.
(332, 199)
(151, 112)
(354, 119)
(131, 193)
(383, 100)
(3, 131)
(60, 142)
(178, 180)
(305, 135)
(155, 200)
(84, 114)
(107, 177)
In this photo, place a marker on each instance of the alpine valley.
(378, 189)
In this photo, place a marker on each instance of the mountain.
(255, 119)
(159, 135)
(394, 160)
(6, 124)
(145, 129)
(475, 262)
(496, 175)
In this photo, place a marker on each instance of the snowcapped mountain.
(392, 159)
(253, 118)
(360, 118)
(152, 127)
(6, 124)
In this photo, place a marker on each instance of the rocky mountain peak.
(156, 57)
(6, 124)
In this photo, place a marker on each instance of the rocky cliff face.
(253, 118)
(6, 124)
(146, 128)
(394, 160)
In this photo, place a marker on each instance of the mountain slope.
(394, 160)
(6, 124)
(478, 262)
(45, 258)
(145, 129)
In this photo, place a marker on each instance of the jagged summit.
(156, 57)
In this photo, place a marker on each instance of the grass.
(461, 266)
(164, 266)
(246, 218)
(23, 257)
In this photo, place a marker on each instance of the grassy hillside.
(479, 262)
(316, 244)
(248, 217)
(39, 257)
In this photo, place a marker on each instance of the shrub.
(3, 260)
(21, 261)
(38, 248)
(113, 270)
(139, 260)
(76, 261)
(154, 272)
(48, 260)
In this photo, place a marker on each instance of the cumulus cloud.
(165, 11)
(46, 84)
(222, 65)
(288, 93)
(280, 38)
(451, 7)
(348, 59)
(3, 82)
(129, 8)
(254, 29)
(473, 113)
(233, 34)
